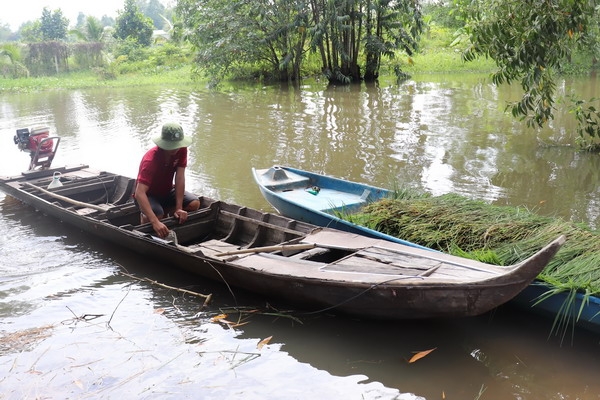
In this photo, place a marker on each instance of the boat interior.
(301, 189)
(216, 228)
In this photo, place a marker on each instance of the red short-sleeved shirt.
(157, 174)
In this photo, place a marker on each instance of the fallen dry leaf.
(159, 311)
(218, 317)
(263, 342)
(420, 355)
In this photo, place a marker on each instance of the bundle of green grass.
(493, 234)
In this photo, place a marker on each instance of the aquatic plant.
(495, 234)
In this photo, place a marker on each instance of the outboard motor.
(39, 144)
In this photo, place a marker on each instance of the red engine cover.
(36, 139)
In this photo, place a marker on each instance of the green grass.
(498, 234)
(437, 54)
(94, 79)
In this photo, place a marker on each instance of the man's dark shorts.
(159, 205)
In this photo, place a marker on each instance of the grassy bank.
(437, 55)
(93, 79)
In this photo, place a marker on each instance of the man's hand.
(161, 229)
(181, 215)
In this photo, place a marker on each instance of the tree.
(390, 25)
(268, 36)
(93, 29)
(279, 33)
(89, 51)
(80, 20)
(5, 32)
(31, 31)
(107, 21)
(53, 25)
(156, 11)
(46, 52)
(131, 24)
(10, 61)
(530, 41)
(349, 33)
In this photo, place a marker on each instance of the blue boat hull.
(579, 311)
(315, 198)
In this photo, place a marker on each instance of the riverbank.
(437, 55)
(95, 79)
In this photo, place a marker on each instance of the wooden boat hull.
(287, 189)
(315, 269)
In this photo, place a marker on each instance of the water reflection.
(75, 327)
(504, 355)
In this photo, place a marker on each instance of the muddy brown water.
(72, 325)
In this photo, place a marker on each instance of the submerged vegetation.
(494, 234)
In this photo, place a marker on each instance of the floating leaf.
(35, 372)
(219, 317)
(263, 342)
(420, 355)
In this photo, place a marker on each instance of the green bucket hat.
(172, 137)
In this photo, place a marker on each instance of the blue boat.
(566, 308)
(316, 198)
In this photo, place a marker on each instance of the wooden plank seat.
(211, 248)
(310, 253)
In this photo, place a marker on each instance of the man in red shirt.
(155, 194)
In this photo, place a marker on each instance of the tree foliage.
(529, 41)
(131, 24)
(268, 36)
(390, 25)
(47, 58)
(10, 61)
(155, 10)
(93, 29)
(30, 31)
(5, 32)
(89, 52)
(53, 25)
(347, 35)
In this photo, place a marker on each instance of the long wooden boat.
(310, 267)
(315, 198)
